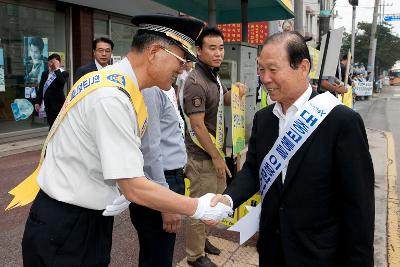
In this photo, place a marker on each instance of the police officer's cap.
(183, 31)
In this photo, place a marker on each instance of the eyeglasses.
(102, 51)
(182, 61)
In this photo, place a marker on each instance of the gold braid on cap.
(186, 41)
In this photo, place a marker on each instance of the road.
(382, 112)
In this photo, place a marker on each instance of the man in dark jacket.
(51, 89)
(102, 51)
(320, 209)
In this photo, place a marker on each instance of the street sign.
(388, 18)
(324, 13)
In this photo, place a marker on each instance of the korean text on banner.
(363, 88)
(238, 105)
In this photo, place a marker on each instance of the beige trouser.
(203, 179)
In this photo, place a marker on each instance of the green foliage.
(387, 48)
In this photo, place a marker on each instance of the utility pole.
(354, 3)
(324, 18)
(212, 13)
(244, 7)
(372, 43)
(299, 16)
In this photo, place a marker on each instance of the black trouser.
(60, 234)
(51, 117)
(156, 245)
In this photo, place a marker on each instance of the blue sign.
(391, 18)
(325, 13)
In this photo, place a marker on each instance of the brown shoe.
(211, 249)
(203, 261)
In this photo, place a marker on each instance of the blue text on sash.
(85, 84)
(289, 142)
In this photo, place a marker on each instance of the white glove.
(118, 206)
(205, 212)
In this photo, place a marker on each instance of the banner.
(363, 88)
(314, 54)
(238, 106)
(257, 32)
(2, 82)
(347, 98)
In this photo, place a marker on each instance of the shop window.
(100, 28)
(121, 35)
(27, 37)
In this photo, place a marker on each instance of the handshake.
(204, 211)
(208, 213)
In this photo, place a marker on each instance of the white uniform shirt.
(96, 143)
(284, 119)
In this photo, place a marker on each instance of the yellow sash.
(26, 191)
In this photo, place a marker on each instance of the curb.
(393, 237)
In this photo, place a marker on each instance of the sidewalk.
(17, 161)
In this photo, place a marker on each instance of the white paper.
(248, 225)
(42, 112)
(27, 92)
(33, 92)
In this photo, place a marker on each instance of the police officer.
(93, 147)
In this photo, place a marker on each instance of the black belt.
(174, 172)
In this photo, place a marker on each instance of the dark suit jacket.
(324, 213)
(85, 69)
(54, 96)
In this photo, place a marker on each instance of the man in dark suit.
(320, 209)
(102, 50)
(51, 89)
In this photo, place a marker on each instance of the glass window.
(27, 37)
(121, 35)
(100, 28)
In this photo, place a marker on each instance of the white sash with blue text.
(50, 79)
(304, 123)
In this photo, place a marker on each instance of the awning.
(229, 11)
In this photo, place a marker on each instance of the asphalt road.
(382, 111)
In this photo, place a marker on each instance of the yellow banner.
(238, 106)
(314, 54)
(347, 98)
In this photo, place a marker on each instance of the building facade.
(30, 30)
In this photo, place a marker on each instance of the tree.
(387, 48)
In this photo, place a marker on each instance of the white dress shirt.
(284, 119)
(98, 66)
